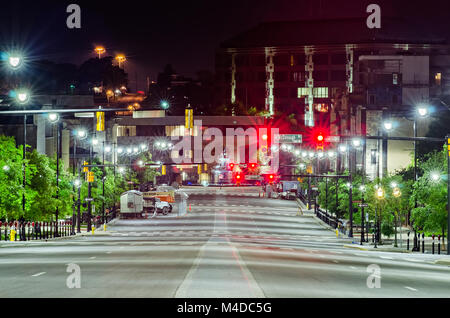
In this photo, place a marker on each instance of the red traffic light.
(253, 165)
(231, 166)
(320, 138)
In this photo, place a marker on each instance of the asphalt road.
(230, 244)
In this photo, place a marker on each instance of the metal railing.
(27, 231)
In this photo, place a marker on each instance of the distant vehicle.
(152, 203)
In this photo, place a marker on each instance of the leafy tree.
(431, 195)
(11, 174)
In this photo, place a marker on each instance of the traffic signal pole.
(448, 194)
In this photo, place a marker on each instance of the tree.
(11, 174)
(431, 195)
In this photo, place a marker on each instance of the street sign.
(315, 189)
(288, 139)
(332, 138)
(89, 199)
(363, 205)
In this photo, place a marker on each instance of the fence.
(27, 231)
(332, 221)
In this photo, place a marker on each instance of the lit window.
(320, 92)
(126, 131)
(438, 78)
(395, 79)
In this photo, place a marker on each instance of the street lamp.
(53, 118)
(22, 97)
(397, 194)
(99, 50)
(388, 125)
(435, 176)
(120, 59)
(164, 104)
(79, 134)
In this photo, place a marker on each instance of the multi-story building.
(337, 74)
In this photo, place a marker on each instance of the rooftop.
(332, 32)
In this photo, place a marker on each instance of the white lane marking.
(39, 274)
(335, 261)
(412, 260)
(92, 257)
(108, 252)
(352, 267)
(410, 288)
(386, 257)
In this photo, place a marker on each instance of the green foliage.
(431, 196)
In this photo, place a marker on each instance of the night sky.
(183, 33)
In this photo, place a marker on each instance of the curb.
(445, 261)
(356, 247)
(371, 249)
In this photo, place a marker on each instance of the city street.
(231, 243)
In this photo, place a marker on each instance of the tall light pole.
(54, 119)
(23, 98)
(78, 134)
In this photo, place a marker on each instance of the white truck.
(133, 204)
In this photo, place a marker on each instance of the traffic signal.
(231, 166)
(253, 166)
(100, 121)
(239, 178)
(189, 118)
(270, 178)
(85, 169)
(319, 139)
(90, 176)
(163, 170)
(199, 168)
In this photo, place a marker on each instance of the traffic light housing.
(252, 166)
(85, 169)
(90, 176)
(231, 166)
(163, 170)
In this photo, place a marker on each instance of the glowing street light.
(356, 142)
(81, 133)
(422, 111)
(388, 125)
(107, 148)
(120, 59)
(53, 117)
(396, 192)
(5, 168)
(380, 193)
(435, 176)
(342, 148)
(100, 50)
(22, 97)
(77, 183)
(14, 61)
(164, 104)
